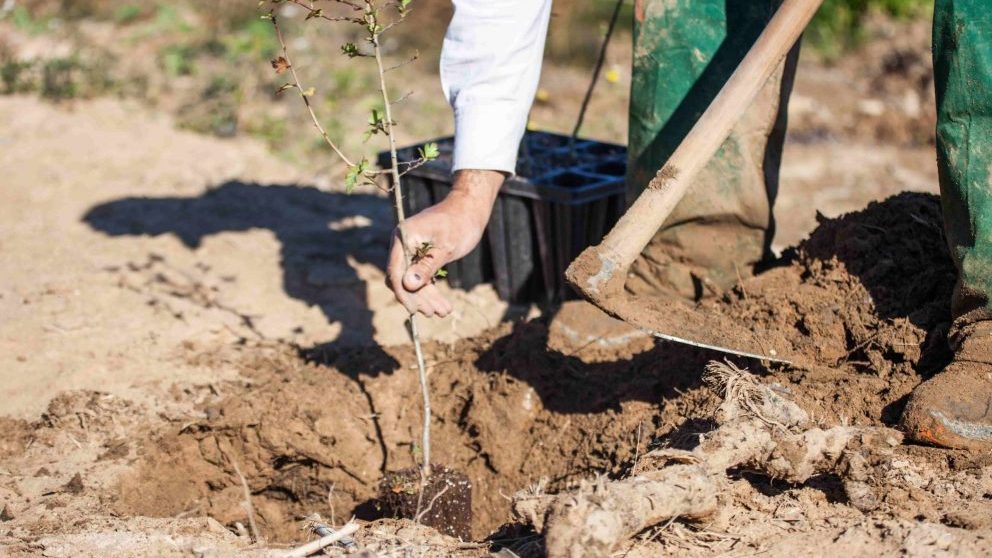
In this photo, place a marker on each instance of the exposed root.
(758, 429)
(744, 395)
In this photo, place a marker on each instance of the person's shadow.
(318, 233)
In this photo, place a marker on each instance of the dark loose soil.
(444, 503)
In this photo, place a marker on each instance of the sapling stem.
(359, 172)
(425, 467)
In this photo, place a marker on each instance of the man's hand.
(440, 234)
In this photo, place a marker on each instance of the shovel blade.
(697, 325)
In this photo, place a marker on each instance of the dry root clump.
(758, 429)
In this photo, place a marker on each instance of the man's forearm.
(479, 186)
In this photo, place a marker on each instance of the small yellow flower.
(612, 75)
(542, 95)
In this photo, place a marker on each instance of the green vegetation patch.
(839, 25)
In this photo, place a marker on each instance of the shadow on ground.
(318, 233)
(567, 384)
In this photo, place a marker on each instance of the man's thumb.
(418, 275)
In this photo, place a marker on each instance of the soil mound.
(865, 299)
(307, 436)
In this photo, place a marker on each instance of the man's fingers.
(432, 296)
(394, 275)
(425, 299)
(445, 308)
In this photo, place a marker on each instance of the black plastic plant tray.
(563, 198)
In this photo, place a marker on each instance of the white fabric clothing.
(490, 67)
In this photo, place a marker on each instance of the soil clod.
(75, 484)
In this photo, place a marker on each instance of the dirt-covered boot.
(954, 408)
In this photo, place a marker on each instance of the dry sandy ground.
(123, 239)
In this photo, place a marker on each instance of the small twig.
(248, 506)
(412, 165)
(405, 96)
(330, 503)
(403, 63)
(314, 524)
(306, 99)
(314, 546)
(637, 446)
(595, 74)
(311, 10)
(740, 283)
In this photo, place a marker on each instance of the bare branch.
(403, 98)
(412, 165)
(312, 547)
(353, 5)
(306, 98)
(403, 63)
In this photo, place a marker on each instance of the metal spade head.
(598, 278)
(697, 325)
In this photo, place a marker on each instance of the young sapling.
(371, 16)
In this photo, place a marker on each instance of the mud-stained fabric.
(962, 56)
(684, 51)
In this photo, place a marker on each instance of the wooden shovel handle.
(599, 264)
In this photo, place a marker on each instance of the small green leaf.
(376, 124)
(429, 152)
(441, 273)
(350, 50)
(355, 173)
(313, 14)
(351, 179)
(284, 87)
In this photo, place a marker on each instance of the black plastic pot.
(563, 199)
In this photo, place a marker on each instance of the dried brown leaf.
(280, 64)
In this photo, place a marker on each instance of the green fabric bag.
(962, 55)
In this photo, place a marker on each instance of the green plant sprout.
(424, 250)
(375, 17)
